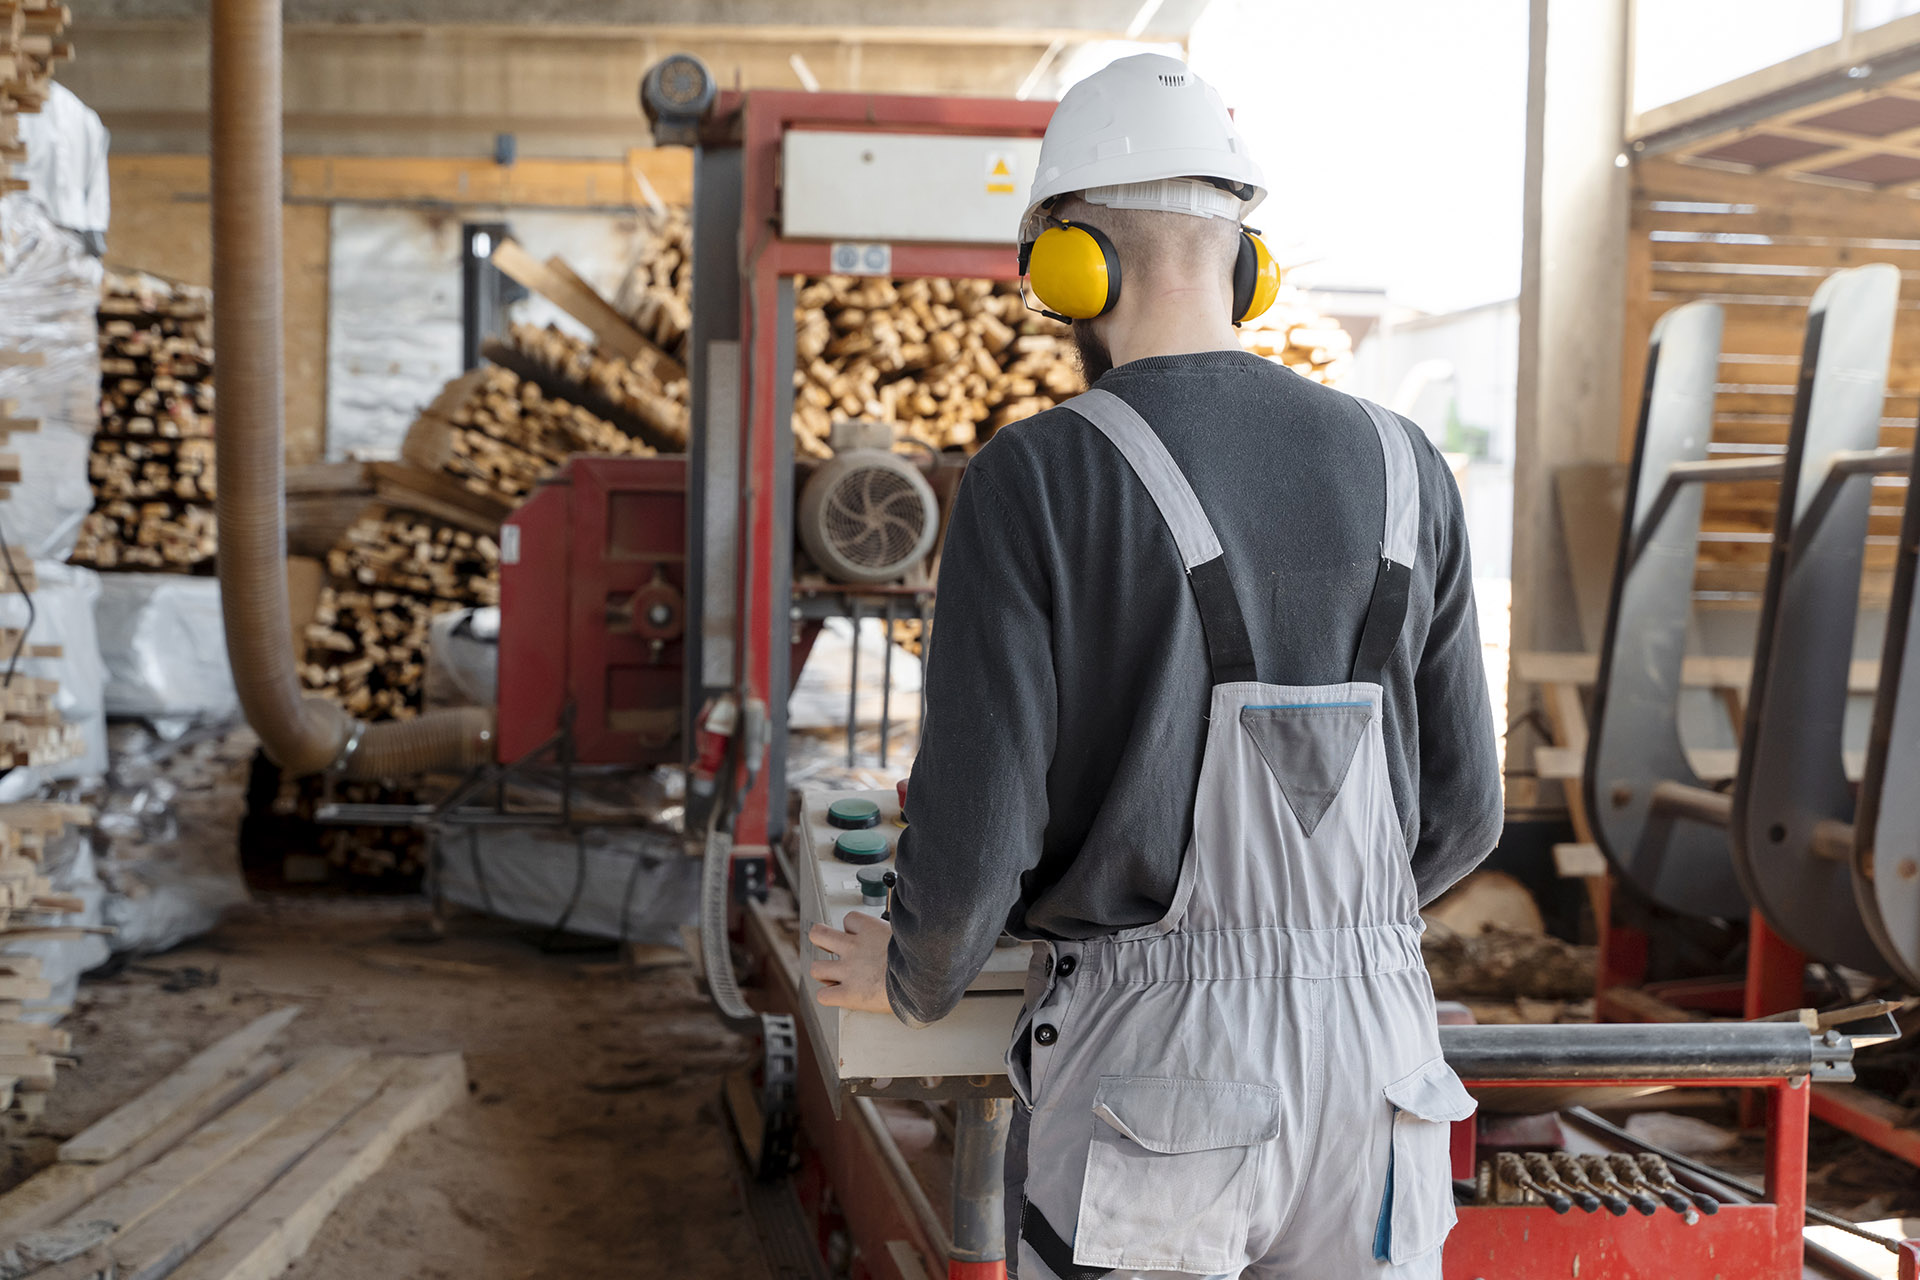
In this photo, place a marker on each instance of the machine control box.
(843, 858)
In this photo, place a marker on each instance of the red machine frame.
(767, 257)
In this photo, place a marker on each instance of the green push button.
(861, 847)
(853, 815)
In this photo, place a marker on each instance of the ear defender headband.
(1075, 273)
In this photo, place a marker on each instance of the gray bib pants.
(1252, 1085)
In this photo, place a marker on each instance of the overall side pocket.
(1416, 1209)
(1171, 1173)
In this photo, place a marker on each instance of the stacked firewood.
(390, 576)
(30, 36)
(30, 910)
(657, 294)
(152, 465)
(501, 434)
(651, 388)
(1295, 334)
(948, 361)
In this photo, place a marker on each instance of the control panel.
(843, 860)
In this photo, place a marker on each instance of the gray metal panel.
(1792, 774)
(904, 186)
(1886, 867)
(780, 579)
(713, 446)
(1680, 863)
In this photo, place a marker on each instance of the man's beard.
(1095, 359)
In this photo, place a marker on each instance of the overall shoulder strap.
(1399, 542)
(1229, 652)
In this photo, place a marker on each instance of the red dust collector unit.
(593, 613)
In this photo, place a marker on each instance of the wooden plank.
(1578, 861)
(1698, 671)
(160, 1244)
(1827, 253)
(572, 295)
(279, 1226)
(200, 1155)
(59, 1189)
(208, 1072)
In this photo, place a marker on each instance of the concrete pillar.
(1572, 302)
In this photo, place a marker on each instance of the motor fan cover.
(868, 515)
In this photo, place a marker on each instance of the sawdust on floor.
(590, 1142)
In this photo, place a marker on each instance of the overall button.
(1045, 1034)
(1067, 965)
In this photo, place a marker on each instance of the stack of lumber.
(32, 730)
(226, 1169)
(948, 361)
(367, 643)
(30, 911)
(152, 465)
(30, 35)
(1295, 334)
(500, 434)
(650, 389)
(657, 293)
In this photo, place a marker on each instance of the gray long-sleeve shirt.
(1067, 680)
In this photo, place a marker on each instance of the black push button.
(1067, 965)
(1045, 1033)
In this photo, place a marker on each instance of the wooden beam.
(556, 184)
(1814, 76)
(149, 1190)
(209, 1071)
(277, 1228)
(557, 282)
(59, 1189)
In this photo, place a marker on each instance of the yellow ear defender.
(1256, 277)
(1075, 273)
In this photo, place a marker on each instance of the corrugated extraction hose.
(302, 734)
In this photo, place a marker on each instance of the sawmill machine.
(657, 647)
(832, 1127)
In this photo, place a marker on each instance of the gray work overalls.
(1253, 1084)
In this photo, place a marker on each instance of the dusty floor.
(590, 1143)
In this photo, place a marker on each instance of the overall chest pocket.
(1172, 1173)
(1416, 1209)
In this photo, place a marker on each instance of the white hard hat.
(1137, 121)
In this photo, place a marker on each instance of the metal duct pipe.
(302, 734)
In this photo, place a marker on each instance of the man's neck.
(1169, 320)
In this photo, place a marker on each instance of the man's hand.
(855, 975)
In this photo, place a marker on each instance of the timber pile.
(657, 294)
(391, 574)
(650, 388)
(226, 1169)
(500, 434)
(30, 910)
(30, 44)
(948, 361)
(1294, 334)
(152, 465)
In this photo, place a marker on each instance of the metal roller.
(1658, 1051)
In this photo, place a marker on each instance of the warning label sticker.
(1000, 173)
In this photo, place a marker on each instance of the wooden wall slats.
(1760, 246)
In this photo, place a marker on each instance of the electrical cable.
(19, 645)
(573, 899)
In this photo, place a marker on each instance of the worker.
(1207, 718)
